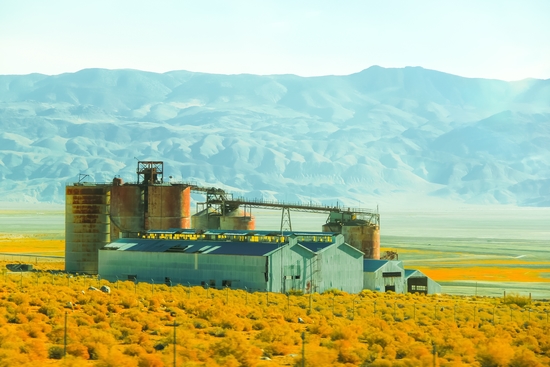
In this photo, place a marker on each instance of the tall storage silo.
(364, 236)
(237, 220)
(206, 219)
(87, 226)
(169, 206)
(126, 209)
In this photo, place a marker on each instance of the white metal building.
(384, 275)
(257, 260)
(390, 275)
(418, 282)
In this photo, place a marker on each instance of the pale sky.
(499, 39)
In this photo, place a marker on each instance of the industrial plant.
(144, 231)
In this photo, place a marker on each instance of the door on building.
(417, 285)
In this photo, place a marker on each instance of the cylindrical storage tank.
(203, 221)
(332, 227)
(169, 207)
(126, 210)
(364, 237)
(236, 220)
(87, 226)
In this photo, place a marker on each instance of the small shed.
(384, 275)
(418, 282)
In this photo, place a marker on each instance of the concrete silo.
(87, 225)
(363, 234)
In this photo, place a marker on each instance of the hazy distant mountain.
(358, 138)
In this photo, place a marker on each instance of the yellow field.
(134, 326)
(35, 245)
(444, 269)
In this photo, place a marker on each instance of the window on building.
(226, 283)
(212, 283)
(391, 274)
(132, 278)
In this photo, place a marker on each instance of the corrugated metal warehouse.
(257, 260)
(390, 275)
(384, 275)
(418, 282)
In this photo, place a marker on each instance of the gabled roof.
(315, 246)
(371, 265)
(411, 272)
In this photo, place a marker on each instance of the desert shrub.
(217, 332)
(78, 350)
(524, 358)
(516, 299)
(48, 310)
(235, 346)
(200, 324)
(295, 292)
(259, 325)
(36, 349)
(19, 298)
(278, 349)
(55, 352)
(96, 350)
(150, 360)
(127, 302)
(134, 350)
(495, 353)
(115, 358)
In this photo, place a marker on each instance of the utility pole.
(175, 342)
(303, 348)
(65, 337)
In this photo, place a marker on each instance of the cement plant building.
(254, 260)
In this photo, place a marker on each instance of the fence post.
(454, 313)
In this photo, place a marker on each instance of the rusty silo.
(126, 209)
(363, 236)
(206, 219)
(87, 225)
(168, 207)
(238, 220)
(360, 231)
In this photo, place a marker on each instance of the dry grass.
(35, 245)
(233, 328)
(486, 273)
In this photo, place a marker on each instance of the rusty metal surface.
(236, 223)
(126, 210)
(203, 221)
(332, 227)
(365, 238)
(168, 207)
(87, 226)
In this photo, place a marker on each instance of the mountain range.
(375, 136)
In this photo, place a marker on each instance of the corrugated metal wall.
(242, 271)
(376, 281)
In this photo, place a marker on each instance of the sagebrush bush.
(230, 327)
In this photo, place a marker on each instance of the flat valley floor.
(483, 250)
